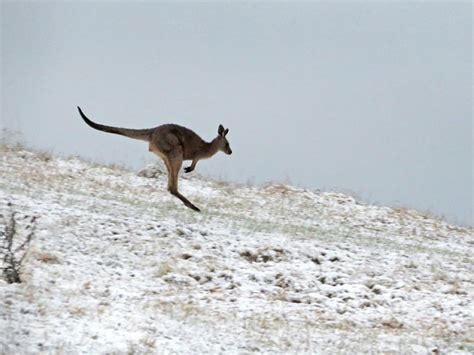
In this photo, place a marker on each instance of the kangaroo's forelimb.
(190, 168)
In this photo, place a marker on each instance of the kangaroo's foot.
(188, 169)
(191, 206)
(186, 202)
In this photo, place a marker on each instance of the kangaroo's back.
(169, 135)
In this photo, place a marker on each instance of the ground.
(118, 265)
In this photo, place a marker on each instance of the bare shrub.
(14, 244)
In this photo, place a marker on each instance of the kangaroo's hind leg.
(175, 160)
(154, 149)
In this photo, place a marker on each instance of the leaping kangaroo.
(173, 144)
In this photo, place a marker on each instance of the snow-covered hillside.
(118, 265)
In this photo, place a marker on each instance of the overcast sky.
(371, 98)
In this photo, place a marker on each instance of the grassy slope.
(120, 265)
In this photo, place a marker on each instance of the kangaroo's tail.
(141, 134)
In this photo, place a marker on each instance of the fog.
(374, 99)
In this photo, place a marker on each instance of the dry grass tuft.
(163, 269)
(77, 311)
(148, 341)
(392, 323)
(45, 257)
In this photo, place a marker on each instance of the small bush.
(14, 245)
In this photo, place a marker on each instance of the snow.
(118, 265)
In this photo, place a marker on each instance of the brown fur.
(173, 144)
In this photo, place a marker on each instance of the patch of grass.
(163, 269)
(44, 155)
(411, 265)
(77, 311)
(392, 323)
(45, 257)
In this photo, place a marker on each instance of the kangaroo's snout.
(229, 152)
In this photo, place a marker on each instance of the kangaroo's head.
(223, 143)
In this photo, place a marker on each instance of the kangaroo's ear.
(226, 131)
(220, 130)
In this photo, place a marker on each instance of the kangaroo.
(173, 144)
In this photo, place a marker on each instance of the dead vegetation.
(15, 242)
(264, 255)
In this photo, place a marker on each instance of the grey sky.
(373, 98)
